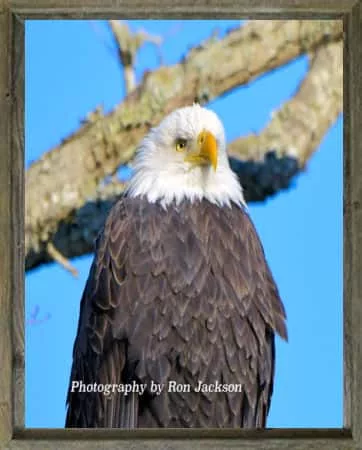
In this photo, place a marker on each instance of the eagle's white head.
(185, 158)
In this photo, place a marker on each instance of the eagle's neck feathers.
(159, 185)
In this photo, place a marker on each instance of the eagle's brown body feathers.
(182, 294)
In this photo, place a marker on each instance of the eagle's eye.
(181, 145)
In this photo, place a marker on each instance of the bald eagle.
(179, 297)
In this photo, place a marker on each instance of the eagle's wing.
(97, 356)
(263, 316)
(123, 328)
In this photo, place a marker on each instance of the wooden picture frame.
(13, 435)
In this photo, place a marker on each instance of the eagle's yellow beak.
(207, 150)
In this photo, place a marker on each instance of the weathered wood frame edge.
(12, 432)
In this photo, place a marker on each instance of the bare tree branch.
(62, 186)
(76, 237)
(266, 162)
(128, 44)
(60, 259)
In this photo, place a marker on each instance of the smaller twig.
(128, 44)
(60, 259)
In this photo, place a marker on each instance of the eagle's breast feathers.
(179, 294)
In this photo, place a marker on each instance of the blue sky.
(71, 68)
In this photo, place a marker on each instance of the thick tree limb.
(61, 186)
(76, 237)
(294, 131)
